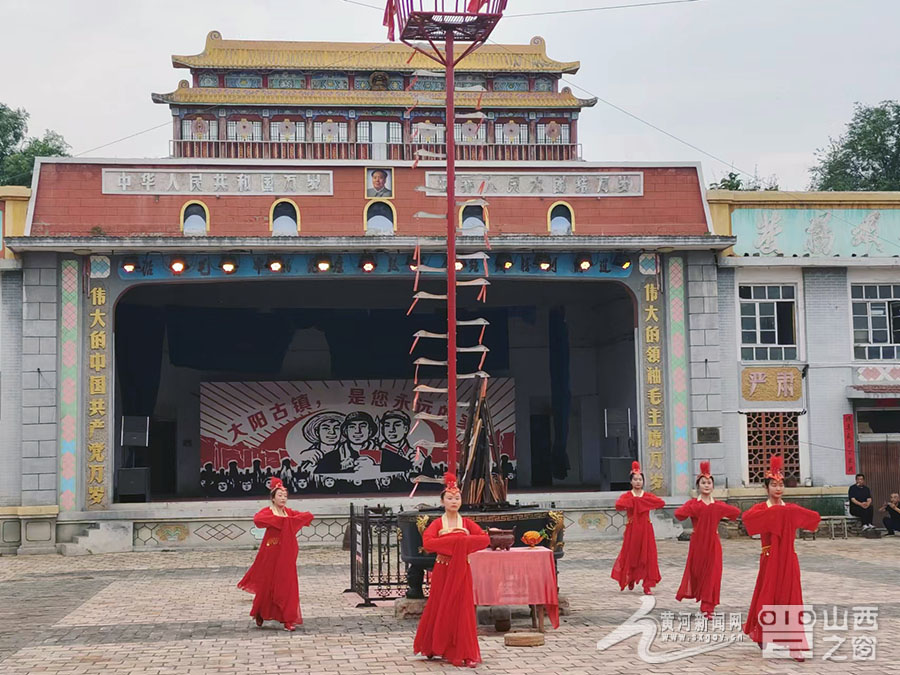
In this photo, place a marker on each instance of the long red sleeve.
(625, 501)
(652, 501)
(433, 543)
(761, 518)
(300, 518)
(728, 511)
(265, 518)
(686, 510)
(804, 519)
(477, 539)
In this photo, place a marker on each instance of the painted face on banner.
(394, 430)
(357, 432)
(330, 432)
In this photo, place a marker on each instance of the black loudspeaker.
(134, 482)
(136, 431)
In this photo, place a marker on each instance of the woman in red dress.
(273, 575)
(448, 627)
(778, 581)
(637, 559)
(703, 571)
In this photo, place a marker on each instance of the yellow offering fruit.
(532, 538)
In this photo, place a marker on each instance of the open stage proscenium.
(332, 436)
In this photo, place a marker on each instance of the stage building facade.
(247, 306)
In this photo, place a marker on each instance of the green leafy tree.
(17, 153)
(733, 181)
(867, 156)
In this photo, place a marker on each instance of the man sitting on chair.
(861, 502)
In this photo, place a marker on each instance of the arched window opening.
(195, 220)
(561, 219)
(380, 219)
(285, 220)
(474, 220)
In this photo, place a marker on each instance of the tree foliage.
(17, 152)
(733, 181)
(867, 156)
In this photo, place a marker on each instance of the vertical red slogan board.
(849, 445)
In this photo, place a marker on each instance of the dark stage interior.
(567, 345)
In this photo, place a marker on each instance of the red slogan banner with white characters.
(334, 436)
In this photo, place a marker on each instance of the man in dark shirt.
(861, 502)
(891, 519)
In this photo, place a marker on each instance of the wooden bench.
(843, 524)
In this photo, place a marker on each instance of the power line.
(363, 4)
(598, 9)
(730, 165)
(560, 11)
(125, 138)
(211, 107)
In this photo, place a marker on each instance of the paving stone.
(181, 613)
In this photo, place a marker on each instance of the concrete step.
(109, 536)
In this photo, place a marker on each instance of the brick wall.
(69, 201)
(40, 290)
(10, 387)
(828, 350)
(705, 358)
(730, 380)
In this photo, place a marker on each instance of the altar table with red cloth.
(520, 576)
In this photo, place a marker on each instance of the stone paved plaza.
(148, 613)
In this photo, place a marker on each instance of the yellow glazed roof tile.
(187, 95)
(390, 56)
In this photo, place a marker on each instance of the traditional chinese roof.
(187, 95)
(390, 56)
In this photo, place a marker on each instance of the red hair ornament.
(776, 467)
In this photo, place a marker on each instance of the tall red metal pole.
(450, 125)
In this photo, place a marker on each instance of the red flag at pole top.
(389, 12)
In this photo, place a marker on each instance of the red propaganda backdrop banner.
(849, 446)
(333, 436)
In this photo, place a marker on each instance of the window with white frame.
(394, 132)
(464, 132)
(278, 131)
(876, 321)
(768, 322)
(511, 133)
(330, 132)
(203, 130)
(426, 133)
(561, 139)
(237, 130)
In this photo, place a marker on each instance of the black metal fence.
(376, 570)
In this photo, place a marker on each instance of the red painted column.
(451, 255)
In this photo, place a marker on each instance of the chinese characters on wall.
(200, 182)
(97, 416)
(653, 404)
(771, 384)
(533, 184)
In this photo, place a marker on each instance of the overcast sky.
(760, 84)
